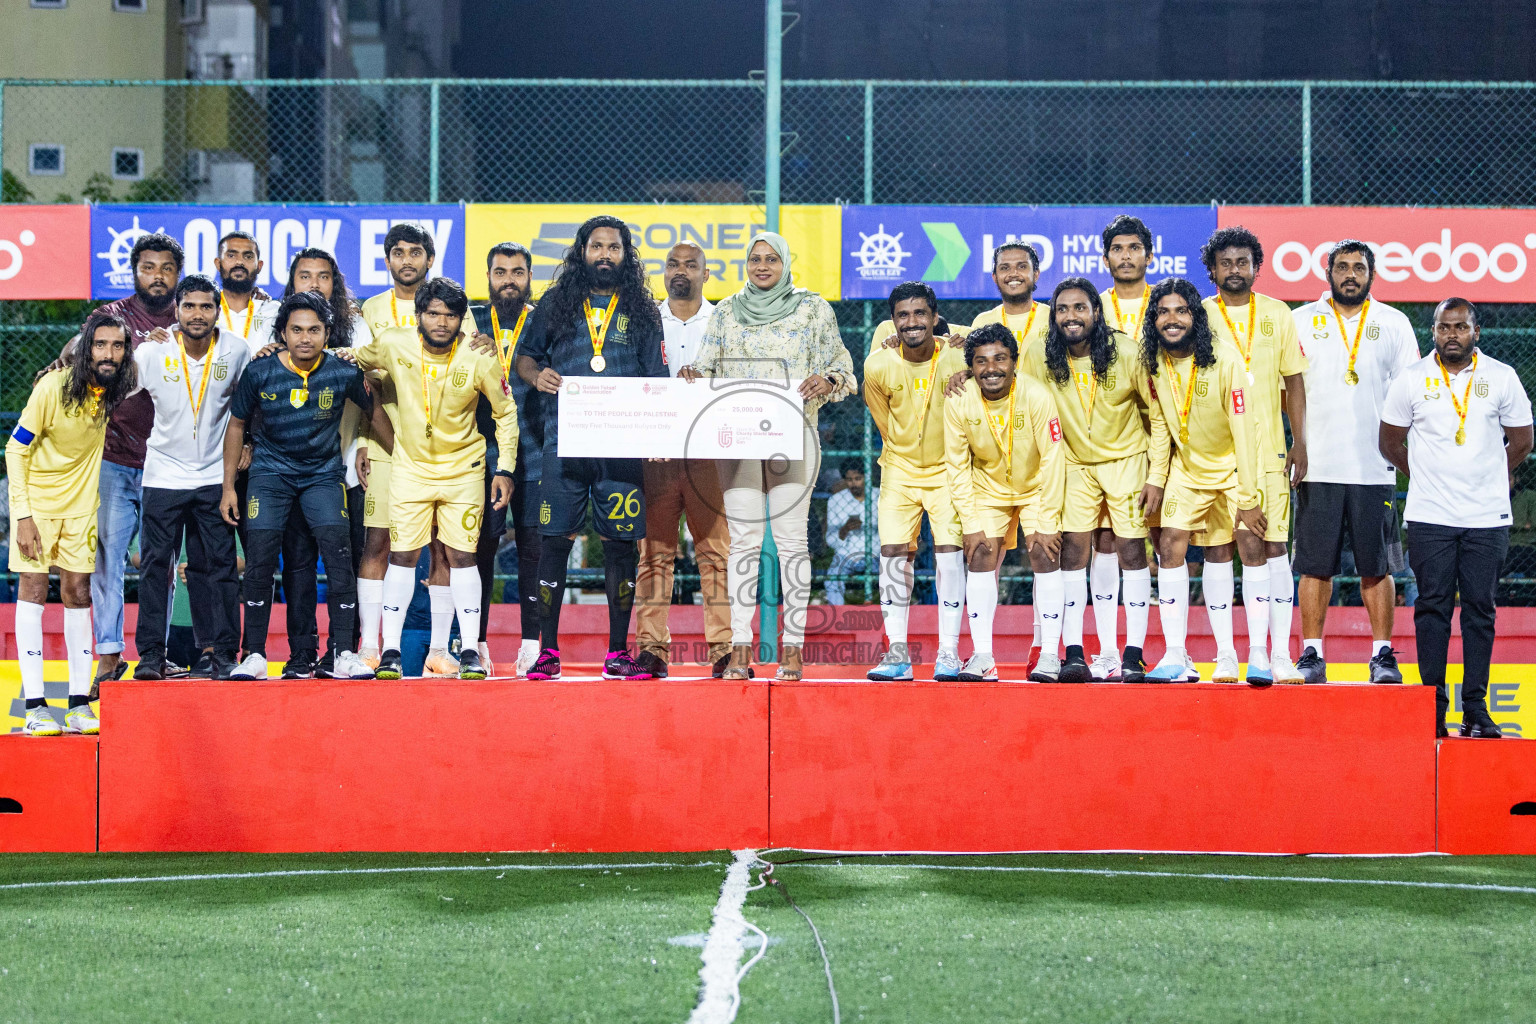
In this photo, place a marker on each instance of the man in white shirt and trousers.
(1465, 420)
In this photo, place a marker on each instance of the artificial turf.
(906, 943)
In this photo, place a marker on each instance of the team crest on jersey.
(1170, 506)
(1109, 381)
(326, 397)
(919, 386)
(1373, 332)
(1019, 421)
(252, 508)
(1202, 388)
(1480, 389)
(999, 422)
(460, 377)
(621, 322)
(297, 397)
(544, 513)
(220, 370)
(368, 505)
(1320, 322)
(1267, 327)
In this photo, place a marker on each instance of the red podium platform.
(47, 794)
(1487, 796)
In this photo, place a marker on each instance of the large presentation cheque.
(669, 418)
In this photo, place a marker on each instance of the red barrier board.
(1487, 796)
(45, 252)
(47, 794)
(1000, 767)
(434, 765)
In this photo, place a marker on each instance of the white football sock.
(1218, 586)
(1282, 597)
(1049, 601)
(464, 589)
(370, 610)
(1377, 646)
(29, 648)
(895, 596)
(399, 586)
(1138, 601)
(1173, 605)
(1256, 604)
(981, 605)
(77, 645)
(949, 570)
(1074, 588)
(1104, 579)
(1316, 645)
(441, 602)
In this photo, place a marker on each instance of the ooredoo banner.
(950, 247)
(353, 234)
(44, 252)
(1422, 254)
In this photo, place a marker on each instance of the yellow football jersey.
(983, 471)
(1030, 329)
(384, 311)
(1216, 453)
(906, 401)
(53, 458)
(1102, 419)
(1125, 315)
(452, 384)
(1276, 353)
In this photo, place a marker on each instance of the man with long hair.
(1101, 394)
(438, 476)
(53, 466)
(1006, 469)
(1200, 407)
(597, 319)
(1263, 332)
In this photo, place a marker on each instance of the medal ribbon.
(426, 393)
(1253, 308)
(506, 341)
(394, 313)
(1021, 335)
(1141, 309)
(1465, 402)
(250, 312)
(303, 373)
(1007, 427)
(1354, 349)
(1189, 394)
(1093, 388)
(598, 322)
(933, 372)
(186, 375)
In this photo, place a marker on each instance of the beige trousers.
(673, 489)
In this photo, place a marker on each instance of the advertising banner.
(44, 252)
(353, 234)
(721, 231)
(1422, 254)
(950, 247)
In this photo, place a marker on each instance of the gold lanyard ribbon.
(598, 322)
(1189, 394)
(1093, 389)
(506, 341)
(186, 376)
(1350, 376)
(303, 374)
(1253, 308)
(933, 372)
(1465, 402)
(250, 312)
(997, 435)
(96, 396)
(1141, 309)
(394, 313)
(1021, 335)
(426, 391)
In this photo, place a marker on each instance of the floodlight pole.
(773, 63)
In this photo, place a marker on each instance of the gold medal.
(1351, 378)
(429, 430)
(598, 364)
(1461, 435)
(1183, 435)
(1465, 402)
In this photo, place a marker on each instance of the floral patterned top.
(804, 343)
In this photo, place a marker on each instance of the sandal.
(791, 665)
(740, 665)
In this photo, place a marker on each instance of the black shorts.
(270, 498)
(1325, 512)
(525, 487)
(613, 486)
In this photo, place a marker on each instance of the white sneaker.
(486, 661)
(1174, 668)
(253, 667)
(981, 668)
(1226, 667)
(1047, 668)
(40, 722)
(369, 656)
(527, 654)
(440, 665)
(1105, 668)
(351, 666)
(1282, 671)
(82, 720)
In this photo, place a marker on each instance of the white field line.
(1523, 890)
(320, 872)
(720, 979)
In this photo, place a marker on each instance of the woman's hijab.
(754, 306)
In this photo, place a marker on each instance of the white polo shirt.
(262, 314)
(1465, 486)
(682, 337)
(1344, 420)
(179, 458)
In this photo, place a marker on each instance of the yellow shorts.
(376, 498)
(69, 544)
(1204, 512)
(901, 509)
(1116, 485)
(418, 502)
(1275, 499)
(1008, 521)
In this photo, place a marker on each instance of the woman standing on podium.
(773, 331)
